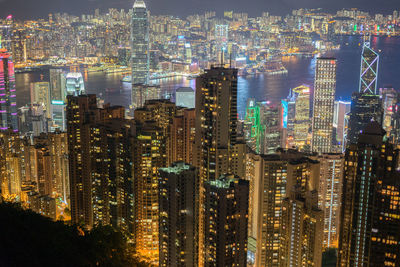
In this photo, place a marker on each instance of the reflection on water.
(262, 86)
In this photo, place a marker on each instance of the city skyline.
(31, 10)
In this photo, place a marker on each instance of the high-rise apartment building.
(182, 135)
(149, 154)
(330, 196)
(84, 140)
(324, 97)
(8, 102)
(370, 221)
(225, 221)
(272, 179)
(179, 207)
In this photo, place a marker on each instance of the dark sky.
(24, 9)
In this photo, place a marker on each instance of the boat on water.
(274, 67)
(127, 79)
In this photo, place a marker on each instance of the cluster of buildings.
(187, 181)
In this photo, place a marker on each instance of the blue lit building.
(8, 102)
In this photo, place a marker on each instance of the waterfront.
(261, 86)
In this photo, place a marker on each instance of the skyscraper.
(216, 121)
(185, 97)
(368, 70)
(342, 108)
(40, 94)
(272, 179)
(57, 85)
(324, 97)
(370, 221)
(149, 154)
(330, 193)
(8, 102)
(225, 221)
(366, 105)
(86, 142)
(302, 123)
(179, 204)
(140, 46)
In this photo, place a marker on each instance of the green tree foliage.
(29, 239)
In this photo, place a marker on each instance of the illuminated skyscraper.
(253, 129)
(389, 98)
(366, 105)
(340, 122)
(274, 117)
(324, 97)
(75, 84)
(370, 214)
(8, 102)
(140, 58)
(216, 151)
(225, 221)
(330, 193)
(368, 70)
(179, 204)
(302, 123)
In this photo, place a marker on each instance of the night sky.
(28, 9)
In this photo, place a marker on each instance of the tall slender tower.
(366, 105)
(302, 117)
(324, 97)
(8, 102)
(369, 69)
(140, 48)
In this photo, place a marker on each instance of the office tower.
(6, 30)
(8, 102)
(330, 193)
(225, 221)
(290, 103)
(274, 117)
(389, 98)
(58, 118)
(369, 232)
(57, 85)
(185, 97)
(74, 84)
(179, 204)
(40, 94)
(366, 105)
(38, 119)
(324, 96)
(182, 135)
(149, 154)
(302, 123)
(342, 108)
(85, 143)
(139, 48)
(368, 70)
